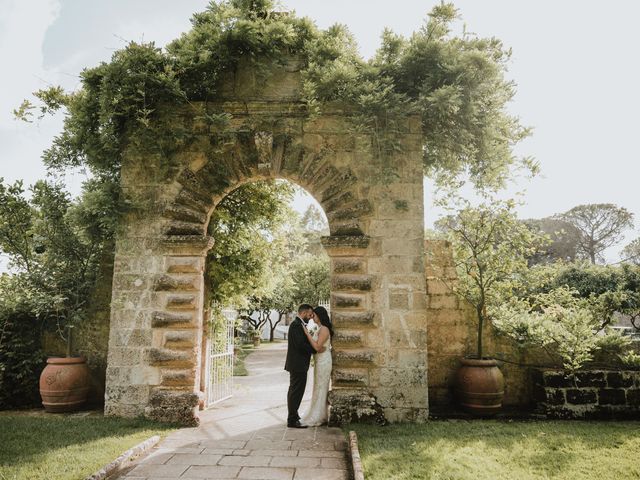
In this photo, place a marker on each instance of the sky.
(575, 62)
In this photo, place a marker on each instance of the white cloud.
(22, 30)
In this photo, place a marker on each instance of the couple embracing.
(308, 338)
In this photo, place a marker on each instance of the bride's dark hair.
(323, 315)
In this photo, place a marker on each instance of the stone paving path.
(246, 436)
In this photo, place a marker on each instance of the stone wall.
(452, 333)
(595, 394)
(376, 224)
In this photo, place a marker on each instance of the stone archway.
(375, 245)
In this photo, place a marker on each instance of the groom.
(299, 352)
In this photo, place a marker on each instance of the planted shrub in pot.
(65, 381)
(490, 246)
(54, 245)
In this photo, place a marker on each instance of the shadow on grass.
(494, 449)
(25, 437)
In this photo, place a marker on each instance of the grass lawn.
(239, 369)
(66, 447)
(496, 450)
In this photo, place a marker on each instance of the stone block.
(132, 337)
(180, 339)
(169, 406)
(345, 228)
(579, 396)
(347, 338)
(172, 320)
(349, 319)
(354, 405)
(633, 398)
(348, 265)
(176, 227)
(405, 229)
(419, 301)
(394, 264)
(355, 283)
(178, 283)
(351, 211)
(124, 356)
(130, 282)
(350, 377)
(619, 380)
(399, 377)
(412, 358)
(611, 396)
(177, 378)
(436, 286)
(402, 246)
(439, 302)
(558, 379)
(182, 301)
(354, 358)
(343, 300)
(179, 212)
(398, 299)
(127, 394)
(406, 338)
(591, 379)
(165, 357)
(446, 317)
(555, 396)
(402, 398)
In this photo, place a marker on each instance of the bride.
(318, 414)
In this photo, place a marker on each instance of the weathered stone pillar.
(155, 346)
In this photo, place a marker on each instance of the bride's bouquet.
(312, 327)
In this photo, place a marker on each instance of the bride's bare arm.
(318, 345)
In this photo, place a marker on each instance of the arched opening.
(266, 259)
(375, 245)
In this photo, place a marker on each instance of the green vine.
(454, 83)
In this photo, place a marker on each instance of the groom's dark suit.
(299, 352)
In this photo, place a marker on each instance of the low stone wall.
(595, 394)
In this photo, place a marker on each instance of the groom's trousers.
(297, 384)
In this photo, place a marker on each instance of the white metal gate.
(220, 356)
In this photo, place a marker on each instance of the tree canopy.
(631, 252)
(600, 226)
(455, 83)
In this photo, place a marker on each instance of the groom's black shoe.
(296, 425)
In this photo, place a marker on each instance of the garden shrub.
(21, 355)
(566, 309)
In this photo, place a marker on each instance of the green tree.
(243, 227)
(601, 225)
(55, 247)
(566, 309)
(281, 300)
(490, 248)
(631, 252)
(312, 279)
(313, 227)
(563, 240)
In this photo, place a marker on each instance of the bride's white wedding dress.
(318, 410)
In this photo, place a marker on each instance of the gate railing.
(220, 355)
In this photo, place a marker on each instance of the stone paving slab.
(246, 436)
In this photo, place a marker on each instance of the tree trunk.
(480, 328)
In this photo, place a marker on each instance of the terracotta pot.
(64, 384)
(479, 386)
